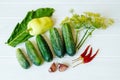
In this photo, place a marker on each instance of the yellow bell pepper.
(39, 25)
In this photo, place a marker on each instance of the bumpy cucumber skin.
(57, 43)
(68, 39)
(33, 54)
(22, 59)
(44, 48)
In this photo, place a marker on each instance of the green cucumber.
(57, 42)
(22, 59)
(33, 54)
(44, 48)
(68, 39)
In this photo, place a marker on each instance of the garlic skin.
(39, 25)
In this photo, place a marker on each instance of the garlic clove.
(62, 67)
(53, 68)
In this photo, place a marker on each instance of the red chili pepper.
(85, 52)
(82, 55)
(89, 58)
(86, 57)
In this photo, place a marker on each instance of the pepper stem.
(77, 59)
(28, 29)
(77, 64)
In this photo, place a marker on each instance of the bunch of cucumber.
(60, 45)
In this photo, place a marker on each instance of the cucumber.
(44, 48)
(68, 39)
(33, 54)
(57, 42)
(22, 59)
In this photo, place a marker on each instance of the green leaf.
(20, 33)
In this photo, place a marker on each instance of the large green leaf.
(20, 33)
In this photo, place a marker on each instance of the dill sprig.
(88, 21)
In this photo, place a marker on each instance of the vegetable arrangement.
(21, 33)
(38, 22)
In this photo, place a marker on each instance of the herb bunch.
(89, 22)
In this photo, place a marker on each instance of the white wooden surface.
(106, 66)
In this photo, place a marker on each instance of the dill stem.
(84, 38)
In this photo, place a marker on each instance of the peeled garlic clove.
(62, 67)
(53, 68)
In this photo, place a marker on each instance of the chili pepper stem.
(75, 60)
(77, 64)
